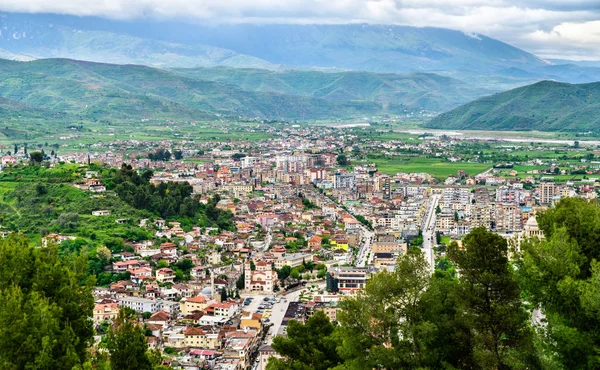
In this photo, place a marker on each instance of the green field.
(436, 167)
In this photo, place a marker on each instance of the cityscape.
(299, 184)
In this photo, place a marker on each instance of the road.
(429, 230)
(365, 249)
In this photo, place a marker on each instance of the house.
(105, 312)
(103, 212)
(198, 272)
(55, 238)
(159, 318)
(225, 309)
(314, 242)
(183, 290)
(165, 275)
(264, 353)
(141, 274)
(189, 305)
(251, 320)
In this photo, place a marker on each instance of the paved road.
(429, 230)
(365, 249)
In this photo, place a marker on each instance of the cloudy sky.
(549, 28)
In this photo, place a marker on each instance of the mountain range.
(100, 91)
(543, 106)
(287, 72)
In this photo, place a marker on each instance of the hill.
(543, 106)
(426, 90)
(97, 91)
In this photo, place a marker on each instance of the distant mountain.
(416, 90)
(543, 106)
(101, 91)
(375, 48)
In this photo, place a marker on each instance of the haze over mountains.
(289, 72)
(361, 47)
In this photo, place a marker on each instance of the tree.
(252, 266)
(379, 326)
(342, 160)
(178, 154)
(284, 272)
(36, 157)
(241, 282)
(45, 305)
(499, 323)
(560, 275)
(223, 295)
(307, 346)
(127, 344)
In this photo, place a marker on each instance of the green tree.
(560, 276)
(379, 327)
(342, 160)
(127, 344)
(45, 305)
(36, 157)
(499, 325)
(307, 346)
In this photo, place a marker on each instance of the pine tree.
(127, 344)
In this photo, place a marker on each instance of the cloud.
(547, 27)
(582, 40)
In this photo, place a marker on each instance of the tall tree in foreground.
(381, 326)
(561, 276)
(127, 344)
(309, 346)
(501, 335)
(45, 306)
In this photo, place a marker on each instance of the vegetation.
(127, 344)
(45, 305)
(544, 106)
(70, 91)
(560, 276)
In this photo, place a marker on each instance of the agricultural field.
(436, 167)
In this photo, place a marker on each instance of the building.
(346, 278)
(165, 275)
(344, 181)
(262, 279)
(105, 312)
(547, 192)
(189, 305)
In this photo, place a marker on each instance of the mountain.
(374, 48)
(426, 90)
(543, 106)
(99, 91)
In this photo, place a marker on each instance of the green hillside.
(544, 106)
(95, 91)
(425, 90)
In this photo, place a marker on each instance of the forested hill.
(96, 91)
(543, 106)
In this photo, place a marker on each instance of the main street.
(364, 255)
(429, 230)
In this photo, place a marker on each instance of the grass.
(436, 167)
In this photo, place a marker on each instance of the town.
(302, 219)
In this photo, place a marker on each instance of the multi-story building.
(347, 278)
(547, 192)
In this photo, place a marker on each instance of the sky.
(567, 29)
